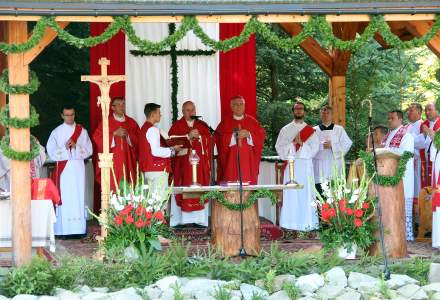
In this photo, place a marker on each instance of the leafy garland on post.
(317, 25)
(220, 197)
(8, 122)
(174, 53)
(385, 180)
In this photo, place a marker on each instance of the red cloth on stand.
(45, 189)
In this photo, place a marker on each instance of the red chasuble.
(425, 163)
(45, 189)
(124, 154)
(182, 170)
(249, 154)
(60, 165)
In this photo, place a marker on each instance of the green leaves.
(220, 197)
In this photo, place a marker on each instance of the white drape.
(149, 77)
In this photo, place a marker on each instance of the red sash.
(425, 163)
(397, 138)
(60, 165)
(304, 134)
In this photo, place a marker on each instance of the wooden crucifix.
(104, 82)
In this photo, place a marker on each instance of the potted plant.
(136, 217)
(346, 214)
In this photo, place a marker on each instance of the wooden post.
(104, 82)
(3, 65)
(20, 141)
(336, 95)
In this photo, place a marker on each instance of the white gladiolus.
(353, 198)
(314, 204)
(330, 200)
(137, 198)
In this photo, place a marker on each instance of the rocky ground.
(334, 284)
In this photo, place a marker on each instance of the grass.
(41, 277)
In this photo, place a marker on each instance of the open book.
(176, 140)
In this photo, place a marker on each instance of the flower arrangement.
(346, 212)
(136, 216)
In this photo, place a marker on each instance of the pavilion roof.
(215, 7)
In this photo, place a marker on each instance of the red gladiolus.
(118, 220)
(331, 212)
(139, 223)
(140, 210)
(147, 222)
(365, 205)
(349, 211)
(129, 220)
(325, 206)
(357, 222)
(358, 213)
(342, 203)
(149, 215)
(159, 215)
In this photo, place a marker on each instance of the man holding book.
(195, 137)
(298, 141)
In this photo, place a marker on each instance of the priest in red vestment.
(123, 140)
(187, 211)
(242, 133)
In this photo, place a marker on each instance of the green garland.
(29, 88)
(316, 26)
(19, 155)
(220, 197)
(7, 121)
(437, 140)
(385, 180)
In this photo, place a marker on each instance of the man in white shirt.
(69, 145)
(414, 128)
(334, 144)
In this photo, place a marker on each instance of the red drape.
(238, 72)
(114, 50)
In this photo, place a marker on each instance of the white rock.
(131, 254)
(309, 283)
(203, 296)
(259, 283)
(349, 294)
(3, 298)
(235, 298)
(123, 295)
(433, 287)
(248, 291)
(66, 295)
(435, 296)
(336, 276)
(25, 297)
(356, 280)
(235, 293)
(95, 296)
(280, 295)
(49, 298)
(167, 295)
(398, 280)
(101, 289)
(201, 285)
(330, 291)
(167, 282)
(434, 273)
(153, 292)
(412, 291)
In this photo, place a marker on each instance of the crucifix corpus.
(104, 83)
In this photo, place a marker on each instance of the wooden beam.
(3, 65)
(311, 47)
(20, 141)
(49, 36)
(270, 18)
(344, 31)
(419, 29)
(336, 95)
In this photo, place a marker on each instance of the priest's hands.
(177, 148)
(70, 144)
(297, 140)
(327, 145)
(428, 131)
(122, 132)
(194, 134)
(243, 133)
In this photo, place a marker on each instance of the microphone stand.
(242, 252)
(386, 271)
(211, 150)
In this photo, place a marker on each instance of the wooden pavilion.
(406, 19)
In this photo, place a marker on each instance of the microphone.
(236, 131)
(196, 117)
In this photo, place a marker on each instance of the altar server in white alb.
(334, 143)
(68, 145)
(400, 140)
(298, 141)
(414, 127)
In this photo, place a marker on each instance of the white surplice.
(435, 158)
(71, 215)
(419, 144)
(298, 211)
(407, 144)
(5, 172)
(425, 142)
(326, 159)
